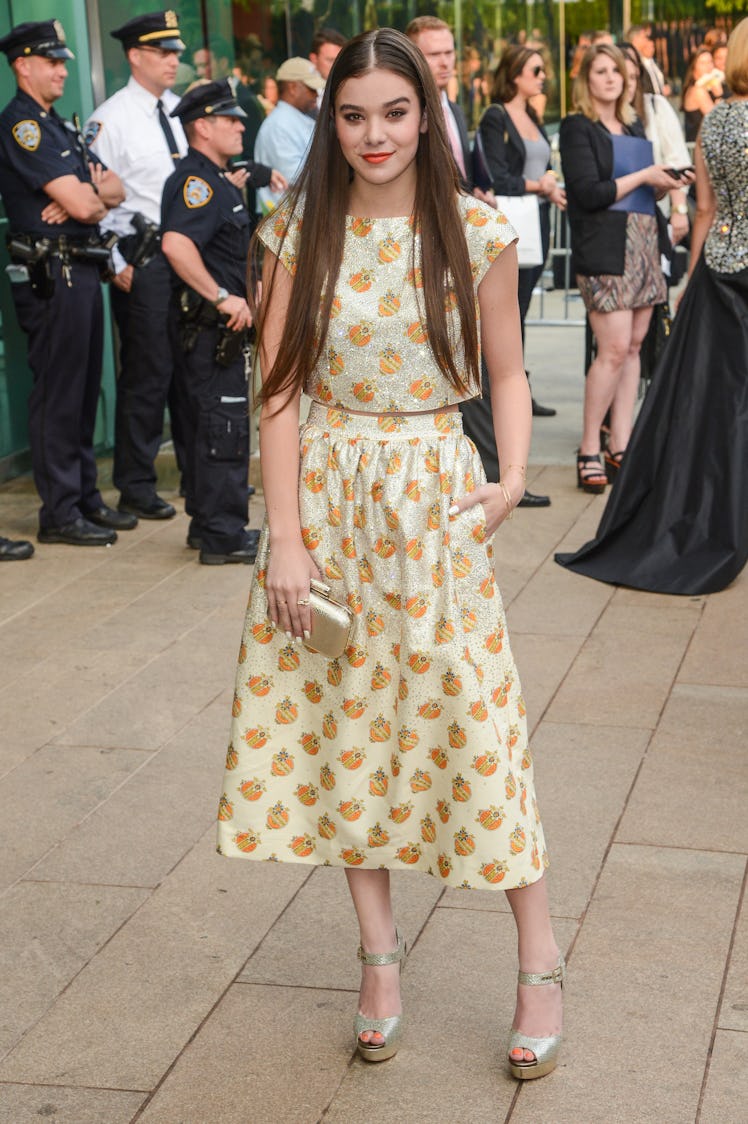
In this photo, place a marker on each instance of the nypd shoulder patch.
(91, 131)
(27, 134)
(196, 192)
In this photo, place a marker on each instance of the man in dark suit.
(434, 39)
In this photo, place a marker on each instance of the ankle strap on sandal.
(555, 976)
(380, 958)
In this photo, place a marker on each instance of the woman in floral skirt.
(409, 751)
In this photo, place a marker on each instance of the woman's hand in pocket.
(494, 501)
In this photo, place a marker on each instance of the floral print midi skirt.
(410, 750)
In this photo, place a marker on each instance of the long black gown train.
(677, 517)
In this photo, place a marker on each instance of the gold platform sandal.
(390, 1028)
(546, 1050)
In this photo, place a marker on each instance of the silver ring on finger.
(303, 601)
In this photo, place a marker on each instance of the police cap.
(155, 29)
(45, 38)
(208, 99)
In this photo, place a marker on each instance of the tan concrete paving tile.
(38, 706)
(265, 1054)
(51, 624)
(618, 679)
(733, 1014)
(297, 952)
(46, 795)
(582, 530)
(693, 787)
(137, 835)
(719, 650)
(678, 619)
(458, 994)
(726, 1094)
(543, 662)
(151, 706)
(48, 932)
(582, 776)
(511, 581)
(647, 968)
(125, 1018)
(551, 605)
(28, 1104)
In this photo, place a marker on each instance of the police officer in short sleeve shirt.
(54, 200)
(131, 132)
(205, 229)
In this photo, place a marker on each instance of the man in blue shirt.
(284, 136)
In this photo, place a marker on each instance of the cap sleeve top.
(377, 357)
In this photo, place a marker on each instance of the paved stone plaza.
(143, 978)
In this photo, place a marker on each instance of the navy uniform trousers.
(65, 345)
(145, 381)
(215, 422)
(477, 418)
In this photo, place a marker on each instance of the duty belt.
(34, 253)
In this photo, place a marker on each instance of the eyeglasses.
(537, 71)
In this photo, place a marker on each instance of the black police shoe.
(246, 553)
(530, 499)
(116, 520)
(539, 411)
(80, 532)
(153, 508)
(15, 551)
(194, 542)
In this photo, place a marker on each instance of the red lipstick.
(377, 157)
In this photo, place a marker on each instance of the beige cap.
(300, 70)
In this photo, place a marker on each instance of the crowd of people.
(177, 287)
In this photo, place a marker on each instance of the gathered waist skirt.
(410, 750)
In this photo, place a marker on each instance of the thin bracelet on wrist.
(507, 499)
(521, 467)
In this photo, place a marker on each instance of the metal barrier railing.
(567, 292)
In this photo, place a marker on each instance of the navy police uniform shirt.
(201, 203)
(37, 146)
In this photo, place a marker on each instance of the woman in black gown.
(677, 518)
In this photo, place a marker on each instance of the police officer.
(132, 133)
(54, 198)
(206, 238)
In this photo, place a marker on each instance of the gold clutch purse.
(331, 622)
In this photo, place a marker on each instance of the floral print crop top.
(377, 358)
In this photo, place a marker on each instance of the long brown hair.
(321, 195)
(689, 78)
(583, 102)
(511, 65)
(630, 54)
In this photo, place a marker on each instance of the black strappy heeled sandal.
(591, 476)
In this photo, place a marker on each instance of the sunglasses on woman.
(537, 71)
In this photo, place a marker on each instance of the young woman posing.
(410, 750)
(611, 187)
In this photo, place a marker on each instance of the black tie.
(164, 123)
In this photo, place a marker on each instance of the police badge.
(196, 192)
(27, 134)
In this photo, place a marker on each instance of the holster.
(35, 255)
(230, 346)
(141, 247)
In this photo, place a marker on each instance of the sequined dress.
(677, 517)
(410, 751)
